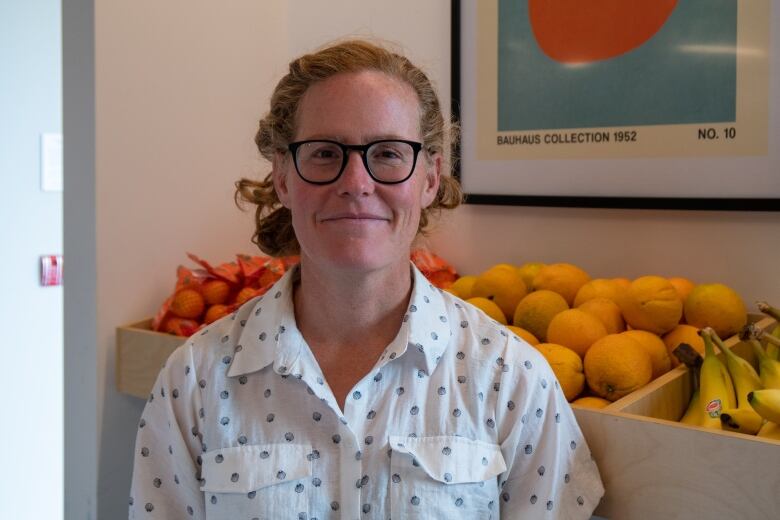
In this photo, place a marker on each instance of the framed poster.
(618, 103)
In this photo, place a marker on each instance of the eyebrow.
(369, 139)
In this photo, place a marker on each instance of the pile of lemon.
(603, 337)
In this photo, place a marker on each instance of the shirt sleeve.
(550, 472)
(166, 468)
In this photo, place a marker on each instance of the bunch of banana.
(765, 399)
(734, 396)
(716, 389)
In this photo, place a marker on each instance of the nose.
(355, 180)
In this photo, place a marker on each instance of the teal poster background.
(685, 74)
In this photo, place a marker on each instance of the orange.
(215, 291)
(215, 312)
(595, 403)
(718, 306)
(652, 304)
(600, 288)
(527, 272)
(567, 366)
(536, 310)
(488, 307)
(575, 329)
(623, 282)
(187, 303)
(245, 294)
(524, 334)
(607, 311)
(683, 286)
(180, 326)
(503, 285)
(682, 334)
(654, 346)
(565, 279)
(462, 287)
(616, 365)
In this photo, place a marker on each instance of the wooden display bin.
(140, 354)
(652, 466)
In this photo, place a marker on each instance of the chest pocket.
(257, 481)
(445, 477)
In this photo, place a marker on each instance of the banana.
(769, 430)
(694, 414)
(741, 420)
(717, 389)
(772, 350)
(768, 368)
(767, 403)
(742, 373)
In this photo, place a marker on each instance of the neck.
(348, 309)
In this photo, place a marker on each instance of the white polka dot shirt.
(459, 418)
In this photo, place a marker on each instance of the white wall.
(179, 87)
(30, 225)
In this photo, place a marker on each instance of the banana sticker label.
(713, 408)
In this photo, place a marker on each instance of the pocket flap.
(248, 468)
(452, 459)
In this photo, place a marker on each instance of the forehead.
(360, 105)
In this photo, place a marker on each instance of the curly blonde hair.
(274, 233)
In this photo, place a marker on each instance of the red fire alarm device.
(51, 270)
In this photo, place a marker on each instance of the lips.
(577, 31)
(353, 217)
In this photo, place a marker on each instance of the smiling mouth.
(355, 218)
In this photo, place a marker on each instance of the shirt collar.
(271, 335)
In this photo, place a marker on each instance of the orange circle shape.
(575, 31)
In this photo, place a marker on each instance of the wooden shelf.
(652, 466)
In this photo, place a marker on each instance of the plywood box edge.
(141, 353)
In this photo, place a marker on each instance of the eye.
(390, 152)
(321, 152)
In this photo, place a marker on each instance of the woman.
(354, 388)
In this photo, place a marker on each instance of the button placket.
(351, 472)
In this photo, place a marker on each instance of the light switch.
(51, 162)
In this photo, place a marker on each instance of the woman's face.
(356, 223)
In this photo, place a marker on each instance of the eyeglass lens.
(322, 161)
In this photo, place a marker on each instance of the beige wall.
(179, 87)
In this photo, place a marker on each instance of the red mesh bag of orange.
(207, 293)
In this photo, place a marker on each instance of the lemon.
(503, 285)
(489, 308)
(536, 310)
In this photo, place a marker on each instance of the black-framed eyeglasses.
(389, 161)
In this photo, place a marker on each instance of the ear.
(279, 176)
(432, 180)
